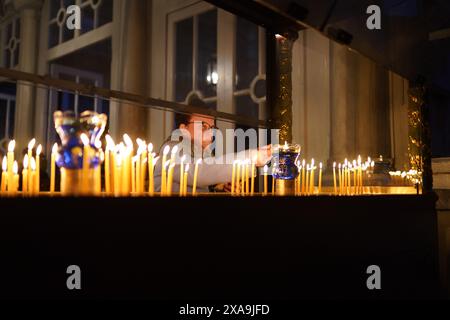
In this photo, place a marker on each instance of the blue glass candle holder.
(69, 128)
(71, 151)
(285, 161)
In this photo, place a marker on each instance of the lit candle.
(151, 175)
(30, 154)
(238, 173)
(126, 168)
(151, 186)
(32, 177)
(233, 176)
(247, 185)
(163, 169)
(108, 150)
(320, 178)
(355, 177)
(186, 170)
(38, 168)
(340, 178)
(86, 163)
(349, 177)
(4, 174)
(137, 177)
(25, 175)
(334, 178)
(359, 177)
(133, 175)
(252, 188)
(170, 179)
(143, 167)
(312, 180)
(345, 176)
(308, 188)
(117, 174)
(182, 175)
(10, 156)
(194, 184)
(265, 179)
(15, 177)
(303, 176)
(53, 168)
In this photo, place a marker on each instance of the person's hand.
(227, 187)
(264, 155)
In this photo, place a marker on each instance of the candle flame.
(334, 164)
(303, 163)
(339, 166)
(84, 139)
(307, 167)
(345, 162)
(186, 169)
(174, 149)
(285, 145)
(11, 145)
(31, 143)
(166, 150)
(354, 163)
(155, 160)
(372, 164)
(25, 162)
(183, 158)
(32, 164)
(198, 161)
(39, 150)
(150, 147)
(15, 167)
(128, 141)
(98, 144)
(320, 166)
(265, 169)
(312, 162)
(55, 148)
(109, 142)
(4, 164)
(359, 159)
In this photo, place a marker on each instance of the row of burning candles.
(305, 181)
(126, 172)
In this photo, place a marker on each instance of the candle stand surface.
(216, 247)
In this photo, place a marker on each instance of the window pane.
(207, 76)
(183, 58)
(66, 101)
(246, 107)
(105, 12)
(85, 103)
(53, 36)
(87, 21)
(246, 53)
(3, 105)
(12, 111)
